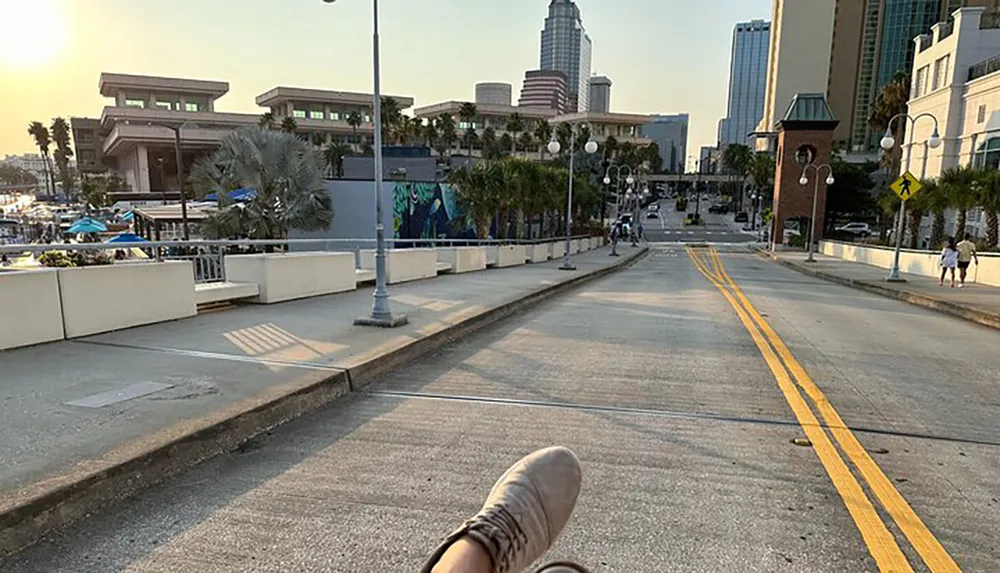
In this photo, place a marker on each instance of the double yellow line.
(793, 380)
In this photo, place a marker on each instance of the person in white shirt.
(949, 261)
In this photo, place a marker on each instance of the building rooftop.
(809, 107)
(484, 109)
(109, 85)
(282, 94)
(605, 118)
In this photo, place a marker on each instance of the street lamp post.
(554, 148)
(812, 222)
(888, 143)
(180, 172)
(381, 314)
(618, 195)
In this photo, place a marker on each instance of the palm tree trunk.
(915, 218)
(937, 231)
(991, 229)
(960, 223)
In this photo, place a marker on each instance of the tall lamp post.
(618, 191)
(554, 148)
(180, 171)
(381, 314)
(888, 143)
(812, 222)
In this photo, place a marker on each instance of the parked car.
(858, 229)
(742, 217)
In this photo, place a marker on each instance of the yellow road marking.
(881, 544)
(928, 546)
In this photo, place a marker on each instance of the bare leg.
(963, 272)
(944, 273)
(953, 277)
(465, 556)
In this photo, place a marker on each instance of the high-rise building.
(544, 88)
(600, 94)
(493, 93)
(747, 81)
(670, 133)
(566, 47)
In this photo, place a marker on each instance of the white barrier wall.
(506, 255)
(404, 265)
(574, 246)
(557, 250)
(113, 297)
(289, 276)
(30, 310)
(924, 263)
(538, 253)
(463, 259)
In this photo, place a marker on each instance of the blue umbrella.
(87, 225)
(128, 216)
(236, 195)
(127, 238)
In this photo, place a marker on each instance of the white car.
(859, 229)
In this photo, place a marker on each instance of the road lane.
(684, 437)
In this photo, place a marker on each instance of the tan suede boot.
(524, 513)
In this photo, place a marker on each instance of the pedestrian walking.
(949, 261)
(966, 254)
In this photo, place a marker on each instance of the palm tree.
(391, 117)
(543, 133)
(478, 189)
(42, 141)
(64, 152)
(960, 185)
(470, 138)
(889, 103)
(506, 144)
(489, 142)
(285, 172)
(564, 133)
(515, 125)
(934, 200)
(446, 126)
(611, 147)
(989, 200)
(266, 120)
(430, 133)
(354, 120)
(289, 125)
(468, 114)
(761, 169)
(333, 157)
(651, 155)
(404, 129)
(526, 141)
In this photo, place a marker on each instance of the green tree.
(989, 200)
(543, 134)
(564, 135)
(11, 175)
(354, 120)
(64, 152)
(515, 125)
(449, 135)
(289, 125)
(266, 120)
(470, 139)
(850, 196)
(506, 144)
(333, 157)
(491, 150)
(285, 172)
(960, 185)
(651, 155)
(429, 133)
(468, 113)
(526, 141)
(391, 118)
(43, 140)
(889, 103)
(94, 192)
(761, 170)
(478, 190)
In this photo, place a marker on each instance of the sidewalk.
(151, 401)
(980, 304)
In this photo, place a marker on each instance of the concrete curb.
(32, 512)
(958, 310)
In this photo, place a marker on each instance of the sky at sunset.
(664, 56)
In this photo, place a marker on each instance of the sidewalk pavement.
(976, 303)
(166, 396)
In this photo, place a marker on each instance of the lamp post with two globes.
(888, 143)
(812, 222)
(554, 147)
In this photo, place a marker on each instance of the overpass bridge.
(691, 178)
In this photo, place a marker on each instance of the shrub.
(56, 259)
(91, 258)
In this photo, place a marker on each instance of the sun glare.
(33, 32)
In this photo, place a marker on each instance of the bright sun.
(33, 33)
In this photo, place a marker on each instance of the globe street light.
(381, 313)
(812, 222)
(554, 147)
(888, 143)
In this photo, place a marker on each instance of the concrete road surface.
(682, 418)
(669, 227)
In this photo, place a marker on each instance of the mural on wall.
(428, 211)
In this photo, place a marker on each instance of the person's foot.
(524, 513)
(961, 285)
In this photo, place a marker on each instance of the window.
(981, 114)
(191, 106)
(87, 155)
(165, 105)
(940, 72)
(299, 113)
(314, 114)
(335, 115)
(920, 83)
(85, 137)
(135, 103)
(988, 154)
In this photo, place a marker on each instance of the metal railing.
(209, 266)
(984, 68)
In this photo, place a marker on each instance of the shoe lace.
(512, 538)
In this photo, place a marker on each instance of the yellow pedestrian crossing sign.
(906, 186)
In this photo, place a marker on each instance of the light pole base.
(567, 268)
(613, 255)
(810, 261)
(895, 280)
(393, 321)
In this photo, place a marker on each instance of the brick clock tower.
(805, 136)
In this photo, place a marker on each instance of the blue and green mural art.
(429, 211)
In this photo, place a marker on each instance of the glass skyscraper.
(903, 20)
(566, 47)
(747, 81)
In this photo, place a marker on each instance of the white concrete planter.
(538, 253)
(586, 244)
(30, 310)
(463, 259)
(574, 246)
(924, 263)
(506, 255)
(557, 250)
(113, 297)
(290, 276)
(404, 265)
